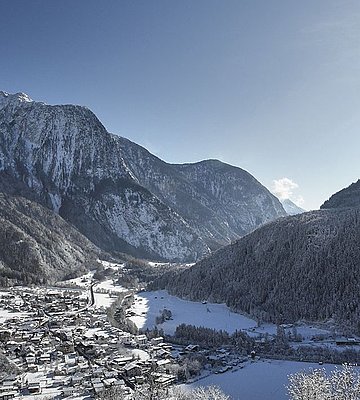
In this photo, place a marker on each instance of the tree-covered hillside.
(301, 267)
(38, 246)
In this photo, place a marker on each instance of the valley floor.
(260, 380)
(85, 311)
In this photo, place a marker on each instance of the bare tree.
(173, 393)
(342, 384)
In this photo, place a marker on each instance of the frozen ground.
(103, 300)
(111, 265)
(141, 354)
(109, 286)
(261, 380)
(148, 305)
(82, 281)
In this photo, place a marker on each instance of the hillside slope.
(345, 198)
(301, 267)
(38, 246)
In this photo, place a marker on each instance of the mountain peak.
(291, 208)
(6, 98)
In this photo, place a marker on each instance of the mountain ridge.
(348, 197)
(116, 192)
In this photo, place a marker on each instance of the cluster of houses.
(59, 345)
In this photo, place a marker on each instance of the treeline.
(300, 267)
(211, 338)
(116, 313)
(277, 346)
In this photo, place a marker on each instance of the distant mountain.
(300, 267)
(38, 246)
(291, 208)
(220, 202)
(118, 194)
(348, 197)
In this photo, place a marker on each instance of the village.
(59, 343)
(62, 341)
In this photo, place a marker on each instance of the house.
(192, 348)
(7, 395)
(68, 391)
(164, 380)
(141, 339)
(133, 369)
(125, 337)
(157, 340)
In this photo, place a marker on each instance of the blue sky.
(270, 86)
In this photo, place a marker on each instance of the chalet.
(192, 348)
(164, 380)
(132, 369)
(67, 391)
(70, 359)
(163, 364)
(157, 340)
(9, 386)
(141, 339)
(77, 378)
(125, 337)
(7, 395)
(97, 385)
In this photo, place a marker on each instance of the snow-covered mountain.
(220, 202)
(117, 193)
(291, 208)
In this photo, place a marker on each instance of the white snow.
(148, 305)
(6, 314)
(261, 380)
(82, 281)
(103, 300)
(141, 354)
(109, 286)
(108, 264)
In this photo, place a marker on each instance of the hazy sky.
(270, 86)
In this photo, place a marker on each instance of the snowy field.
(109, 286)
(82, 281)
(111, 265)
(148, 305)
(103, 300)
(261, 380)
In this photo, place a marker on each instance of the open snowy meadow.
(260, 380)
(149, 305)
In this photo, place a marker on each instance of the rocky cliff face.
(117, 193)
(220, 202)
